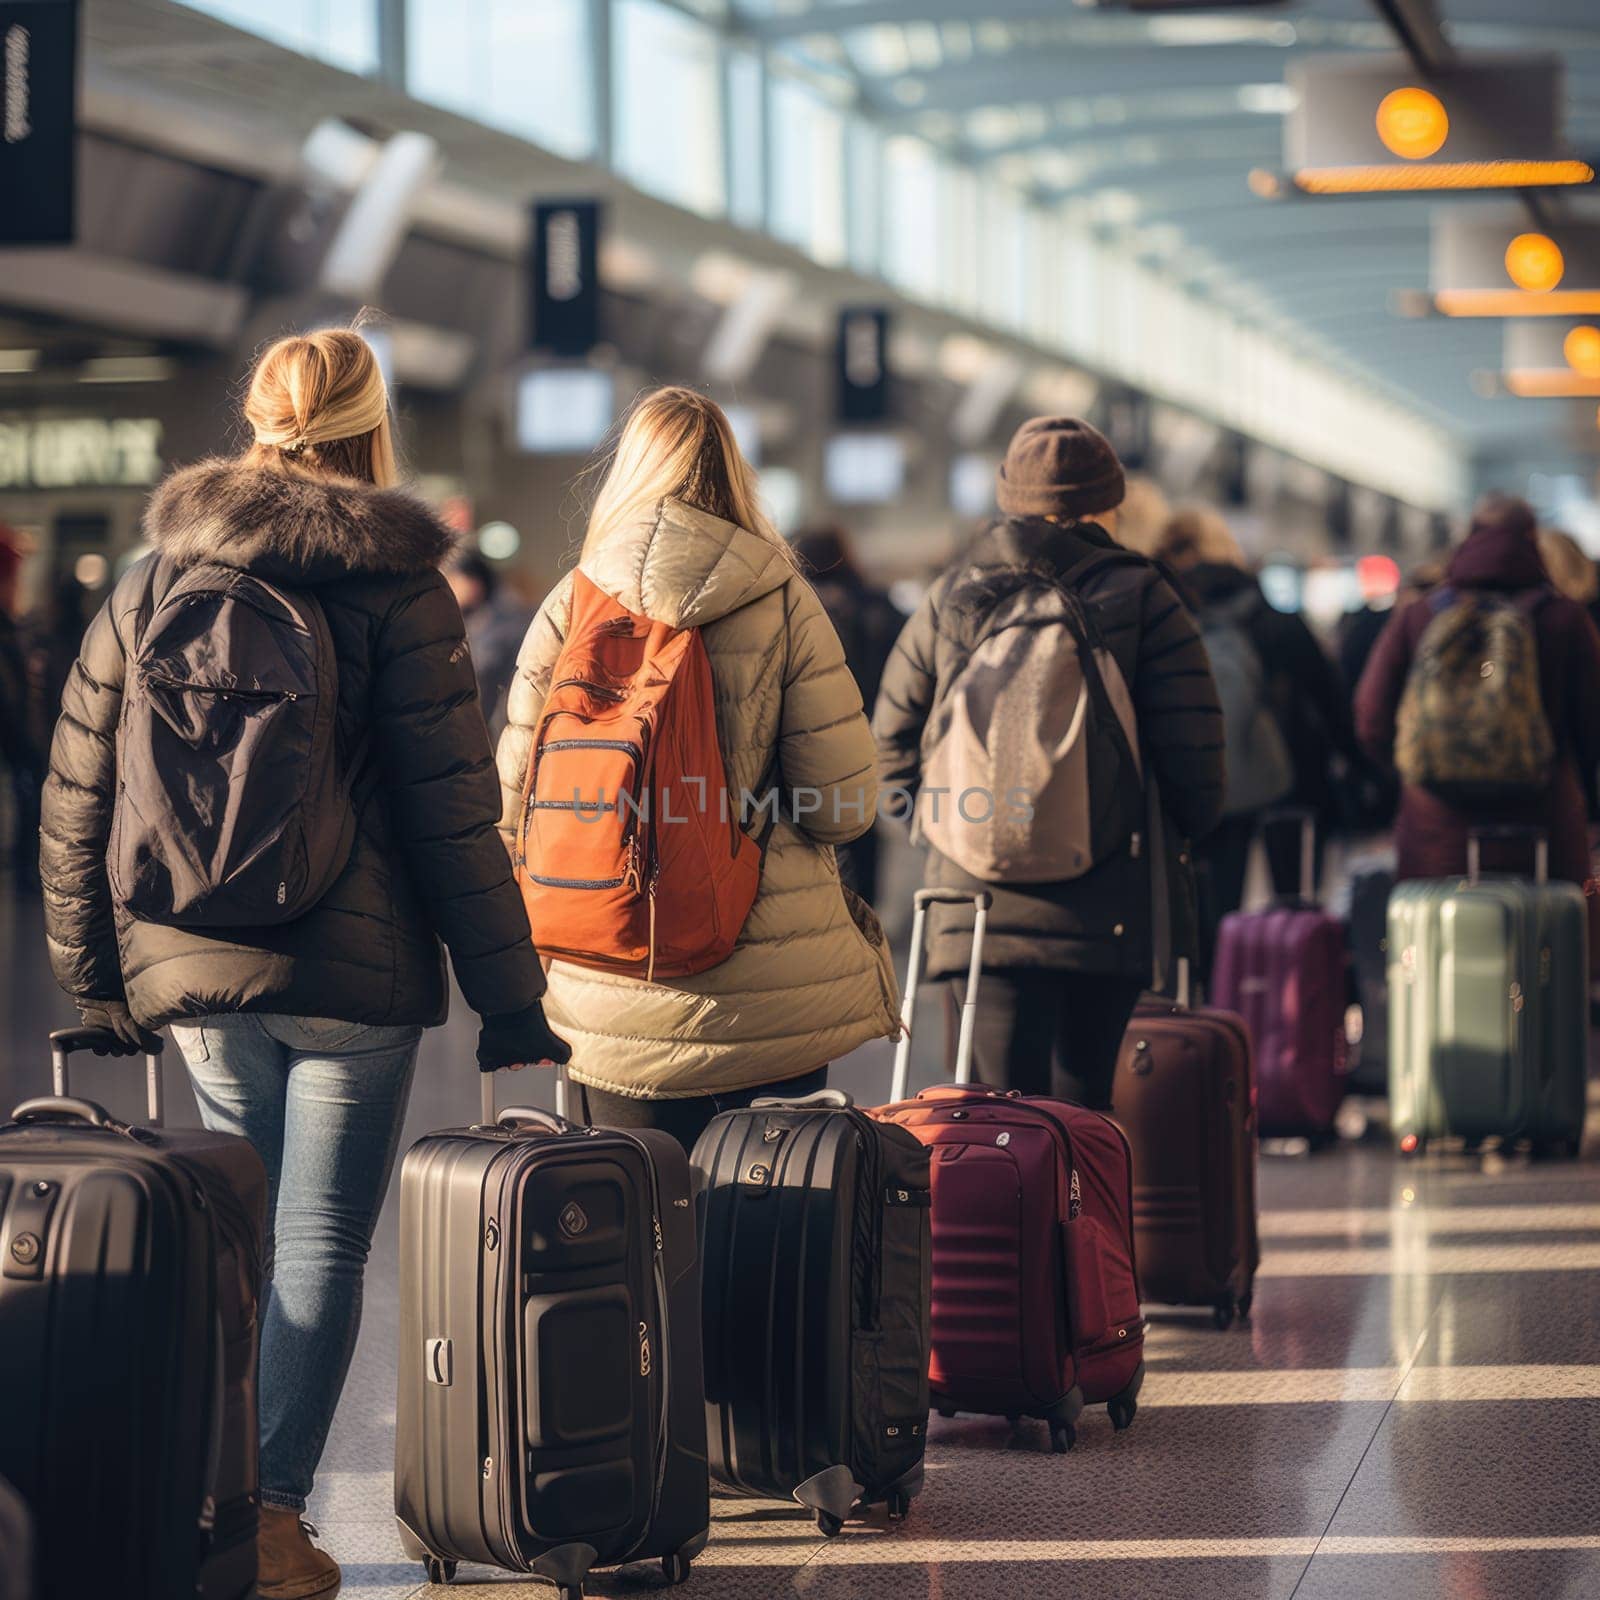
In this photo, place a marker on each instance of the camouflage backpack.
(1472, 724)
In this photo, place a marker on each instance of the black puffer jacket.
(1103, 921)
(427, 862)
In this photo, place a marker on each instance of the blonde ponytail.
(318, 401)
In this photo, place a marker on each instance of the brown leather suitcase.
(1185, 1096)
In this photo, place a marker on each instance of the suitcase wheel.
(1222, 1313)
(829, 1525)
(897, 1505)
(439, 1570)
(1246, 1300)
(675, 1569)
(1122, 1409)
(947, 1411)
(1062, 1437)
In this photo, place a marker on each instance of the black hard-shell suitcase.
(816, 1255)
(551, 1412)
(130, 1261)
(1184, 1095)
(16, 1545)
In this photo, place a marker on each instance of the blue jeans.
(323, 1102)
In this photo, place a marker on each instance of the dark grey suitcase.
(130, 1262)
(551, 1410)
(817, 1265)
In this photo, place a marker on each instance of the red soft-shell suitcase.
(1285, 970)
(1035, 1291)
(1185, 1096)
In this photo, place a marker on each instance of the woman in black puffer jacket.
(302, 1035)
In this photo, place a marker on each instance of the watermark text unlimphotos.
(667, 808)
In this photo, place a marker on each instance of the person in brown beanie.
(1045, 611)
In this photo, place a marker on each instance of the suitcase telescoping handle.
(559, 1123)
(980, 900)
(65, 1042)
(1307, 821)
(1509, 832)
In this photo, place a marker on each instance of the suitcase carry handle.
(1509, 832)
(561, 1122)
(67, 1108)
(829, 1099)
(980, 900)
(103, 1042)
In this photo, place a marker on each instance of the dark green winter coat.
(427, 863)
(1104, 921)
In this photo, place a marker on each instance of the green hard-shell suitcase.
(1488, 1009)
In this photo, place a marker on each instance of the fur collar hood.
(289, 526)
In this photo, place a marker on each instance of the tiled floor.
(1413, 1412)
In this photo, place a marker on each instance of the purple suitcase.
(1285, 971)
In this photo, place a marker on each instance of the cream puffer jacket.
(811, 976)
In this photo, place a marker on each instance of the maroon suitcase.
(1035, 1302)
(1185, 1096)
(1285, 970)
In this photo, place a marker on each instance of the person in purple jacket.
(1500, 556)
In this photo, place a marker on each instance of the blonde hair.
(1198, 536)
(1570, 569)
(318, 401)
(678, 445)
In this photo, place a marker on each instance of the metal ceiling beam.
(1048, 75)
(1416, 25)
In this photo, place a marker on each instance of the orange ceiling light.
(1555, 383)
(1517, 303)
(1534, 262)
(1443, 175)
(1581, 347)
(1412, 123)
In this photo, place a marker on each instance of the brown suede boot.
(291, 1567)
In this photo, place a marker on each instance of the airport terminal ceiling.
(1057, 187)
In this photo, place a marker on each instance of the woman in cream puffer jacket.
(677, 535)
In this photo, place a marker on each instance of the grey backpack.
(233, 808)
(1031, 771)
(1260, 770)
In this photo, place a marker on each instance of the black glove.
(115, 1017)
(517, 1038)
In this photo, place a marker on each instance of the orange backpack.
(629, 849)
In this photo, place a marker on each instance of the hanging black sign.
(861, 364)
(566, 276)
(38, 120)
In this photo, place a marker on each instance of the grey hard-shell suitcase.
(1488, 1008)
(130, 1270)
(551, 1413)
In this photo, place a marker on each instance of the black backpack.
(233, 808)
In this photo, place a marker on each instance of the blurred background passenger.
(496, 622)
(1143, 515)
(1498, 566)
(868, 622)
(20, 746)
(1575, 575)
(1302, 692)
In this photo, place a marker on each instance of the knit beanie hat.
(1059, 467)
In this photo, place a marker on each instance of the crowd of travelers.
(822, 707)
